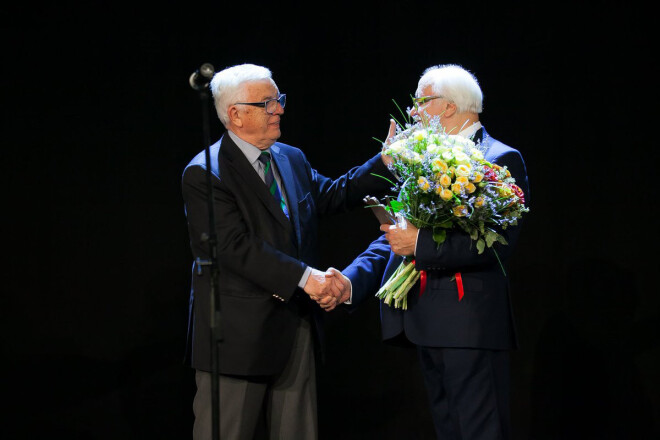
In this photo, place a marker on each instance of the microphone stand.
(199, 81)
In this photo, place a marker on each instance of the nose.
(413, 111)
(279, 110)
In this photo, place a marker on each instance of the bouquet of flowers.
(444, 183)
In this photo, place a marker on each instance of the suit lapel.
(243, 170)
(286, 175)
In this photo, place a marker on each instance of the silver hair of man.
(455, 84)
(227, 86)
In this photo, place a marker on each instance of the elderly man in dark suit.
(462, 340)
(267, 199)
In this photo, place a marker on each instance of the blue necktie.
(271, 183)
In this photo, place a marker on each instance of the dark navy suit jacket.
(483, 318)
(261, 253)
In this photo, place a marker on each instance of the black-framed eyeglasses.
(270, 105)
(424, 99)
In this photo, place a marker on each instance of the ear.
(234, 117)
(451, 110)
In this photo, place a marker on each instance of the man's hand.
(342, 282)
(336, 288)
(319, 286)
(387, 160)
(402, 240)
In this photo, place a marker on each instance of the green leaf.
(490, 237)
(480, 246)
(383, 177)
(501, 239)
(439, 235)
(405, 115)
(396, 205)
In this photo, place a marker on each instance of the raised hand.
(387, 160)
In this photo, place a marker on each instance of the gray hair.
(227, 86)
(455, 84)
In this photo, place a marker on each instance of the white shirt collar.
(471, 130)
(251, 152)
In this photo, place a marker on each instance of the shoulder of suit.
(289, 151)
(286, 148)
(200, 159)
(497, 148)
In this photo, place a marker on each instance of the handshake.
(328, 289)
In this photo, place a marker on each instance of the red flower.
(489, 174)
(518, 192)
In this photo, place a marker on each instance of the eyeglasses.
(424, 99)
(270, 105)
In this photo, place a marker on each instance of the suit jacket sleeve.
(348, 191)
(459, 251)
(366, 271)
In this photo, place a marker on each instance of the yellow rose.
(439, 165)
(478, 177)
(460, 211)
(423, 184)
(505, 191)
(457, 188)
(470, 187)
(462, 180)
(444, 193)
(463, 170)
(479, 202)
(445, 180)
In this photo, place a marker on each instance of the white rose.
(462, 158)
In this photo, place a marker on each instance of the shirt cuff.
(350, 286)
(303, 279)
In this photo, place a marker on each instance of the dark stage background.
(100, 122)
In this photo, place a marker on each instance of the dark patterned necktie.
(271, 183)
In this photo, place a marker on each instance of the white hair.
(455, 84)
(227, 86)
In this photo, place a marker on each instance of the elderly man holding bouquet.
(458, 312)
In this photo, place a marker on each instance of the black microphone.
(201, 78)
